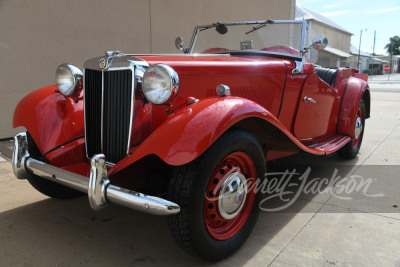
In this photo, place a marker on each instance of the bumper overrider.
(98, 187)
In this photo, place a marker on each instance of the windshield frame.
(208, 26)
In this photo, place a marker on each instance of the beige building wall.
(38, 35)
(336, 38)
(326, 59)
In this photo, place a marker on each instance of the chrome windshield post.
(300, 64)
(192, 41)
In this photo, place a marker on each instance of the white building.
(395, 65)
(337, 53)
(366, 63)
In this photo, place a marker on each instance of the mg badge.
(102, 63)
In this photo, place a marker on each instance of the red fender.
(354, 91)
(191, 130)
(50, 117)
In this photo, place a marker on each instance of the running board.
(331, 144)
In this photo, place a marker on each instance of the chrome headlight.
(69, 79)
(160, 84)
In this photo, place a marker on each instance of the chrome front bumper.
(99, 189)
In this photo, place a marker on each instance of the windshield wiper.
(261, 25)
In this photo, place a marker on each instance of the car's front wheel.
(218, 196)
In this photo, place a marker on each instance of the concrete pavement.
(318, 229)
(386, 78)
(385, 83)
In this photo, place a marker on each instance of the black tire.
(53, 189)
(350, 151)
(188, 188)
(46, 187)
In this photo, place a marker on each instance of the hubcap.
(358, 128)
(229, 199)
(232, 196)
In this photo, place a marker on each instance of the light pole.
(391, 58)
(392, 41)
(359, 51)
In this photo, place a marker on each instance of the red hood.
(188, 65)
(258, 78)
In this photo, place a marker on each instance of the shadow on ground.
(69, 233)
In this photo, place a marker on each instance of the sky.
(367, 15)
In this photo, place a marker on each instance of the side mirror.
(221, 28)
(319, 42)
(179, 43)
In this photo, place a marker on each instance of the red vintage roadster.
(185, 135)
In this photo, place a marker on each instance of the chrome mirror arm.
(299, 65)
(319, 43)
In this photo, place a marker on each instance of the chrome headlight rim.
(172, 81)
(75, 83)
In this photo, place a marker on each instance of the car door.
(314, 118)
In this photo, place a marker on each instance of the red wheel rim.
(219, 227)
(356, 141)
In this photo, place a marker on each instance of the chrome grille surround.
(108, 65)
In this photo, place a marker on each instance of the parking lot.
(318, 229)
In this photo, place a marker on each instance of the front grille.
(108, 133)
(93, 102)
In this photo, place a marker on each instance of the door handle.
(309, 99)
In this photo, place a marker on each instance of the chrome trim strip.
(131, 117)
(182, 55)
(110, 164)
(331, 143)
(84, 110)
(334, 144)
(256, 52)
(102, 111)
(332, 139)
(313, 145)
(98, 187)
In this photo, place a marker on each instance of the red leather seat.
(281, 49)
(214, 49)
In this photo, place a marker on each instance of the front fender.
(191, 130)
(354, 91)
(50, 117)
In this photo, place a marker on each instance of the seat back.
(328, 75)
